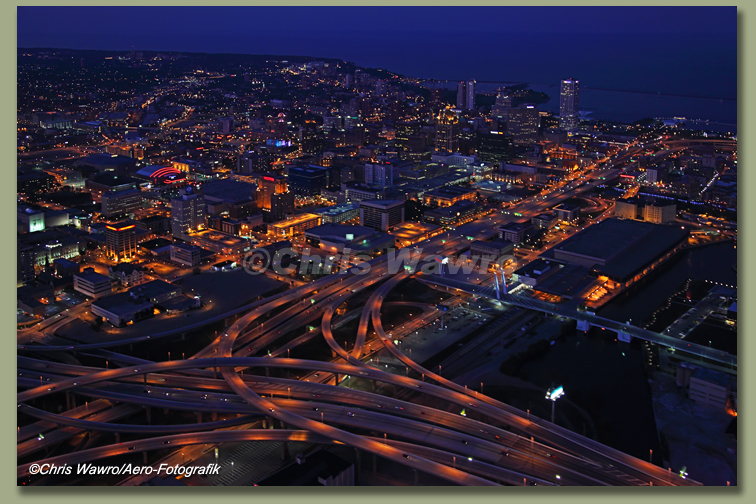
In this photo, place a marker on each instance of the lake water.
(628, 106)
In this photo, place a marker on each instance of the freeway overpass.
(585, 320)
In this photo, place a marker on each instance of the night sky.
(673, 50)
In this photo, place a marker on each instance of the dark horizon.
(678, 51)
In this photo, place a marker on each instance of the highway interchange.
(493, 444)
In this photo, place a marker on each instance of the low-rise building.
(455, 215)
(294, 226)
(493, 251)
(92, 284)
(120, 309)
(127, 274)
(156, 291)
(356, 239)
(567, 212)
(535, 272)
(186, 254)
(447, 196)
(516, 232)
(544, 221)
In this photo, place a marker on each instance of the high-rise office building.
(381, 215)
(121, 203)
(273, 197)
(25, 263)
(495, 147)
(187, 211)
(470, 102)
(309, 180)
(523, 124)
(268, 185)
(120, 240)
(501, 106)
(569, 104)
(447, 131)
(466, 95)
(310, 139)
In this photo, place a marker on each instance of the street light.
(552, 395)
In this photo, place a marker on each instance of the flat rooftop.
(341, 231)
(413, 230)
(567, 282)
(92, 277)
(450, 191)
(297, 219)
(382, 204)
(155, 244)
(120, 304)
(498, 244)
(229, 190)
(153, 288)
(218, 236)
(516, 226)
(338, 209)
(622, 246)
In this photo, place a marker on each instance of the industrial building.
(623, 251)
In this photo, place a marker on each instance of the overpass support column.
(199, 417)
(144, 457)
(358, 461)
(583, 325)
(118, 438)
(214, 416)
(68, 399)
(283, 450)
(148, 412)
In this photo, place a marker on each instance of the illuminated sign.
(121, 229)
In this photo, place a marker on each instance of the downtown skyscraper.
(569, 104)
(466, 95)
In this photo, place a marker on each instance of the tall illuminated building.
(466, 95)
(569, 104)
(309, 138)
(273, 197)
(120, 240)
(187, 211)
(501, 106)
(523, 124)
(447, 131)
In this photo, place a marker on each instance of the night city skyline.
(377, 246)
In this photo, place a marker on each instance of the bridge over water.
(625, 332)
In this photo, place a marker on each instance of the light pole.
(552, 395)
